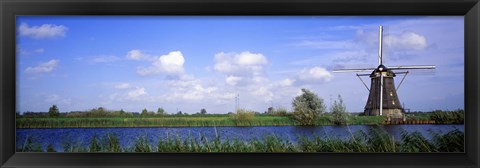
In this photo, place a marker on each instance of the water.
(128, 136)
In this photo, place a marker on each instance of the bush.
(281, 112)
(307, 107)
(242, 115)
(146, 113)
(339, 112)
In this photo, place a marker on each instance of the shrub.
(242, 115)
(339, 112)
(281, 111)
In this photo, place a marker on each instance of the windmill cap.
(381, 68)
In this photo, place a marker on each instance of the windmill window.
(391, 94)
(393, 102)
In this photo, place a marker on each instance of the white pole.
(380, 46)
(381, 93)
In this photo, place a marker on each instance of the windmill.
(383, 98)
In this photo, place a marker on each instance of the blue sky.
(188, 63)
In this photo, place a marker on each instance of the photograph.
(239, 84)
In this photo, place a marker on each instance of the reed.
(375, 140)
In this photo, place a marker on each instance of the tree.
(53, 111)
(160, 111)
(144, 112)
(307, 107)
(339, 112)
(203, 111)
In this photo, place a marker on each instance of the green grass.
(440, 117)
(376, 140)
(177, 121)
(70, 122)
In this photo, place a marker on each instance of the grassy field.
(176, 121)
(440, 117)
(184, 121)
(377, 140)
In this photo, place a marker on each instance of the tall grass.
(448, 117)
(375, 140)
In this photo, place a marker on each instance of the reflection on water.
(291, 133)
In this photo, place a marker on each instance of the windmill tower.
(383, 99)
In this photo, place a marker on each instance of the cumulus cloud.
(314, 75)
(43, 67)
(406, 41)
(239, 63)
(170, 64)
(190, 90)
(43, 31)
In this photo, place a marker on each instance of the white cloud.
(247, 58)
(264, 92)
(139, 55)
(137, 92)
(171, 64)
(190, 90)
(43, 31)
(239, 64)
(105, 59)
(22, 51)
(233, 80)
(314, 75)
(286, 82)
(43, 67)
(406, 41)
(123, 86)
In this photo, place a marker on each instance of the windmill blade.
(380, 61)
(413, 67)
(354, 70)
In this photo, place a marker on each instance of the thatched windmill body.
(383, 98)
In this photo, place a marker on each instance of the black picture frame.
(470, 9)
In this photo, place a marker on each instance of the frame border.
(470, 9)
